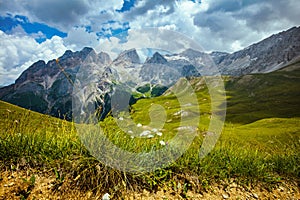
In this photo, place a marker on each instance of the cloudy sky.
(31, 30)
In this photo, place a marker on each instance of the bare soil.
(17, 185)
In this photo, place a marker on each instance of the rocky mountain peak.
(104, 58)
(218, 56)
(67, 53)
(29, 73)
(88, 53)
(191, 53)
(86, 50)
(157, 58)
(130, 55)
(47, 88)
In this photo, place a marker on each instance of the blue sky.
(39, 31)
(32, 30)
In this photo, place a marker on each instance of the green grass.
(260, 142)
(259, 96)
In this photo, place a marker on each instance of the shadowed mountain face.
(48, 87)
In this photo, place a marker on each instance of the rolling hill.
(258, 149)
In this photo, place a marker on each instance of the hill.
(257, 153)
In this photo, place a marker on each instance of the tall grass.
(257, 145)
(30, 140)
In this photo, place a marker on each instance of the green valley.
(259, 145)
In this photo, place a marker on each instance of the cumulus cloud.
(237, 24)
(143, 7)
(78, 38)
(17, 53)
(217, 24)
(214, 24)
(63, 14)
(12, 6)
(19, 31)
(161, 39)
(267, 14)
(181, 20)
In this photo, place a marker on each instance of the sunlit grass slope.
(260, 141)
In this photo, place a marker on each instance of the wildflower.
(178, 113)
(162, 143)
(106, 196)
(154, 130)
(159, 133)
(130, 132)
(145, 133)
(121, 118)
(150, 136)
(139, 125)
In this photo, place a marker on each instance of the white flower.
(139, 125)
(150, 136)
(184, 114)
(154, 130)
(106, 196)
(159, 133)
(162, 143)
(178, 113)
(145, 133)
(130, 132)
(121, 118)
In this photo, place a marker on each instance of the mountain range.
(49, 87)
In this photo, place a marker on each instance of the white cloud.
(161, 39)
(65, 14)
(79, 38)
(17, 53)
(19, 31)
(214, 24)
(181, 20)
(230, 26)
(217, 24)
(19, 50)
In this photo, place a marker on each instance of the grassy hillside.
(259, 96)
(260, 142)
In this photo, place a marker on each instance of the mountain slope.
(47, 87)
(265, 56)
(257, 96)
(250, 97)
(49, 155)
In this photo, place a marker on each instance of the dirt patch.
(18, 185)
(287, 192)
(36, 185)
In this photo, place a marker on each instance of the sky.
(32, 30)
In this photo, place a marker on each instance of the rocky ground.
(20, 185)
